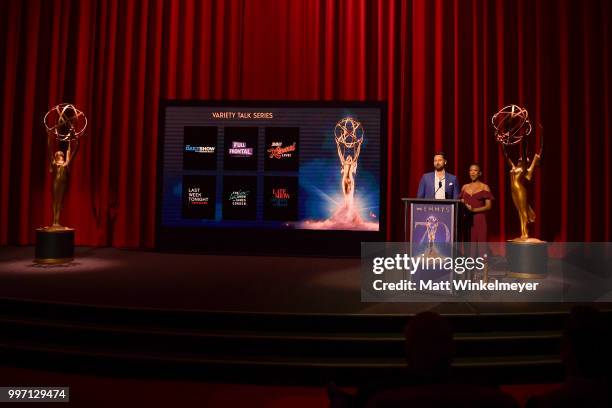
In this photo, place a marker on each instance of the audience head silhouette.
(586, 342)
(585, 353)
(429, 345)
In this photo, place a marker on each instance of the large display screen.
(273, 166)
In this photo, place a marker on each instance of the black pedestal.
(527, 260)
(54, 246)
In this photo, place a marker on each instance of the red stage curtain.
(443, 66)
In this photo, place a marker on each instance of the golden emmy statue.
(527, 256)
(65, 124)
(520, 175)
(512, 127)
(59, 166)
(348, 135)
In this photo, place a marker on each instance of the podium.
(431, 228)
(443, 215)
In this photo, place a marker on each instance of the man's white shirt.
(440, 191)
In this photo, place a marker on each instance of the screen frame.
(254, 241)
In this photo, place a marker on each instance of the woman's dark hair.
(477, 165)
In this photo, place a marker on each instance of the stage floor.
(265, 284)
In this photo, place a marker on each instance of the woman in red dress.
(477, 197)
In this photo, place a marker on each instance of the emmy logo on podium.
(431, 224)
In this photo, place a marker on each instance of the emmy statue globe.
(512, 128)
(65, 124)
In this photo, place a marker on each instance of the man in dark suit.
(438, 184)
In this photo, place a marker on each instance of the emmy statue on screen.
(346, 209)
(512, 129)
(348, 134)
(65, 124)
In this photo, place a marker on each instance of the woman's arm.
(536, 160)
(340, 155)
(71, 155)
(358, 150)
(49, 152)
(484, 208)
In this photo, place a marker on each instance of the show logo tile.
(281, 198)
(199, 196)
(281, 152)
(240, 148)
(200, 148)
(239, 197)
